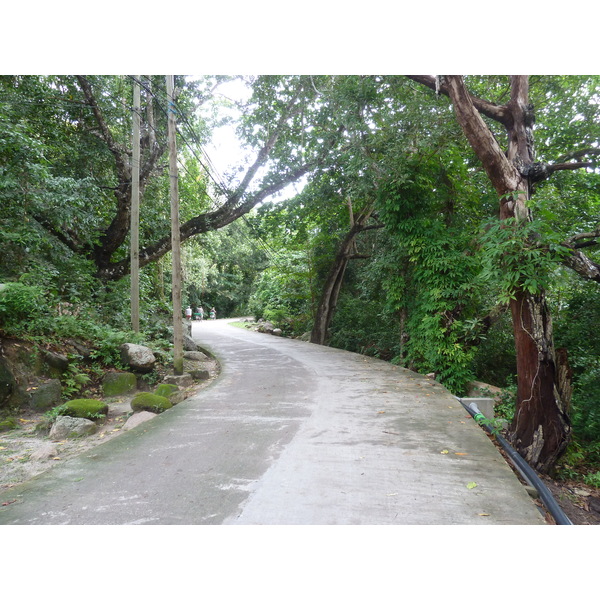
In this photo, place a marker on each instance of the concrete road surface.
(290, 433)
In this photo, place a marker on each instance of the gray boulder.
(139, 358)
(71, 427)
(189, 344)
(181, 381)
(195, 355)
(118, 384)
(45, 452)
(45, 395)
(137, 419)
(199, 374)
(266, 327)
(56, 361)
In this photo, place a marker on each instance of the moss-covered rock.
(200, 374)
(165, 389)
(8, 424)
(118, 384)
(84, 408)
(150, 402)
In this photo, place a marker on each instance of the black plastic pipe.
(523, 466)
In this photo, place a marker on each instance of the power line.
(271, 253)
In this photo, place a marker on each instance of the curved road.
(290, 433)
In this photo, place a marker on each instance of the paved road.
(290, 433)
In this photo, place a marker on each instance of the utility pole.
(175, 235)
(135, 210)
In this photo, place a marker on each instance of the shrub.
(20, 306)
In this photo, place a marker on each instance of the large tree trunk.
(335, 278)
(329, 297)
(541, 429)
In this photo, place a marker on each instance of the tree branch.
(71, 240)
(501, 114)
(577, 154)
(502, 173)
(590, 236)
(105, 134)
(582, 264)
(571, 166)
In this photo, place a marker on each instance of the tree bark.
(541, 426)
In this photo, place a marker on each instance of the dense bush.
(22, 307)
(574, 325)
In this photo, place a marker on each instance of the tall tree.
(333, 283)
(281, 106)
(541, 426)
(92, 114)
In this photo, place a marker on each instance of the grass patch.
(241, 325)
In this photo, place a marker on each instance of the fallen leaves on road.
(471, 485)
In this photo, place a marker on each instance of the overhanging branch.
(582, 265)
(498, 113)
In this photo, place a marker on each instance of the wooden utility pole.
(175, 235)
(135, 210)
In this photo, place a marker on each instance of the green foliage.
(495, 361)
(73, 379)
(282, 294)
(504, 407)
(592, 479)
(436, 287)
(520, 255)
(578, 317)
(581, 462)
(22, 307)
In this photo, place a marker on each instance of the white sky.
(226, 151)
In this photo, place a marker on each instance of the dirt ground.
(580, 502)
(25, 453)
